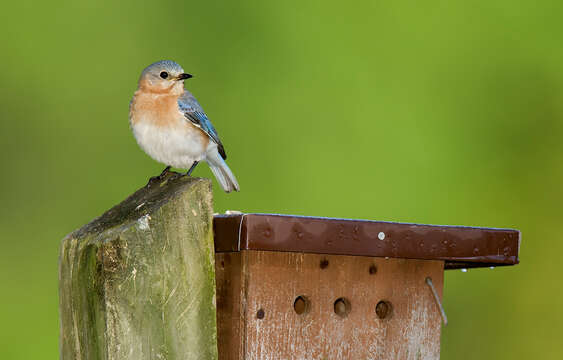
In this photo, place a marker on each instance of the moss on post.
(139, 281)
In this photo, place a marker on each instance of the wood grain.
(230, 308)
(138, 282)
(264, 283)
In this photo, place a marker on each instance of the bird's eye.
(164, 74)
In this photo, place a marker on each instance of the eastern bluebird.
(170, 125)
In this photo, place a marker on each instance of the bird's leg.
(189, 173)
(164, 172)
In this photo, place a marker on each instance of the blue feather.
(194, 113)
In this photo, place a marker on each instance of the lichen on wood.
(139, 282)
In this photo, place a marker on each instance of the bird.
(170, 125)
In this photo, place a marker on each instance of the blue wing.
(194, 113)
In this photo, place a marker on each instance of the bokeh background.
(433, 112)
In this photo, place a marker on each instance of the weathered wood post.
(138, 282)
(294, 287)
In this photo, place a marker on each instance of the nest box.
(292, 287)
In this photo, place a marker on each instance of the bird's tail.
(222, 173)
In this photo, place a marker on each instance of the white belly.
(178, 146)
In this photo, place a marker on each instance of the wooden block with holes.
(292, 287)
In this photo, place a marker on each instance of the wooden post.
(139, 282)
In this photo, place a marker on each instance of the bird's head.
(164, 76)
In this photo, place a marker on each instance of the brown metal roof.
(458, 246)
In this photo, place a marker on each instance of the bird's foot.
(164, 172)
(159, 177)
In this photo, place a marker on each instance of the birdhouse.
(292, 287)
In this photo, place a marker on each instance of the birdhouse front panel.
(281, 305)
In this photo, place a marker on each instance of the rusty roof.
(458, 246)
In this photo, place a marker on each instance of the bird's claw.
(164, 172)
(159, 177)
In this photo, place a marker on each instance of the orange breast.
(159, 109)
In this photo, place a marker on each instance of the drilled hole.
(342, 307)
(301, 305)
(260, 314)
(372, 270)
(324, 264)
(383, 309)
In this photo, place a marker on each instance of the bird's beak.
(184, 76)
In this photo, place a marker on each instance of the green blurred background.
(434, 112)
